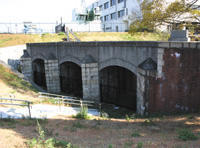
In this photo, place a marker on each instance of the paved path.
(42, 111)
(12, 52)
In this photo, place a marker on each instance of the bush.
(61, 33)
(186, 135)
(83, 113)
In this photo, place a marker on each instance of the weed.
(57, 134)
(78, 125)
(186, 135)
(127, 118)
(135, 134)
(149, 122)
(190, 117)
(128, 143)
(83, 113)
(49, 143)
(2, 124)
(73, 129)
(140, 144)
(111, 146)
(65, 127)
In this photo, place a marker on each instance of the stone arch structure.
(69, 58)
(118, 86)
(38, 68)
(118, 62)
(71, 78)
(38, 56)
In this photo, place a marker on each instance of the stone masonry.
(168, 73)
(52, 74)
(90, 78)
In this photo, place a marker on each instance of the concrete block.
(160, 62)
(159, 74)
(198, 45)
(91, 65)
(160, 56)
(161, 50)
(164, 44)
(176, 45)
(159, 68)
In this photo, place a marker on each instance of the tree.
(156, 13)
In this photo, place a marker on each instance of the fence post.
(59, 103)
(29, 109)
(100, 110)
(81, 103)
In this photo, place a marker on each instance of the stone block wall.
(52, 76)
(90, 81)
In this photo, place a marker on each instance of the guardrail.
(11, 103)
(68, 100)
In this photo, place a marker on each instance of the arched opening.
(71, 79)
(39, 72)
(118, 86)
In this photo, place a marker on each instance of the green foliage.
(40, 141)
(78, 125)
(83, 113)
(160, 12)
(149, 122)
(61, 33)
(111, 146)
(127, 118)
(186, 135)
(140, 144)
(128, 144)
(136, 134)
(13, 80)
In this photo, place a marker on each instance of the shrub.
(140, 144)
(135, 134)
(83, 113)
(186, 135)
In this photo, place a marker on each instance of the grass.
(19, 39)
(12, 80)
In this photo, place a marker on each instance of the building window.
(100, 8)
(106, 5)
(101, 18)
(112, 2)
(120, 13)
(106, 18)
(119, 1)
(113, 16)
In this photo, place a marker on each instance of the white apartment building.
(112, 15)
(116, 15)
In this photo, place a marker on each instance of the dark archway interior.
(39, 72)
(71, 79)
(118, 86)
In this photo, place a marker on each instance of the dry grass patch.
(99, 133)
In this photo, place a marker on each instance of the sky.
(19, 11)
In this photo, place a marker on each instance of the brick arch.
(69, 59)
(38, 56)
(118, 62)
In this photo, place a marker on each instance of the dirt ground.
(100, 133)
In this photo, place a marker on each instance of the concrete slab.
(42, 111)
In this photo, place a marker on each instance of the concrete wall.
(169, 87)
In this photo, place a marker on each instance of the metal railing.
(66, 100)
(9, 95)
(27, 103)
